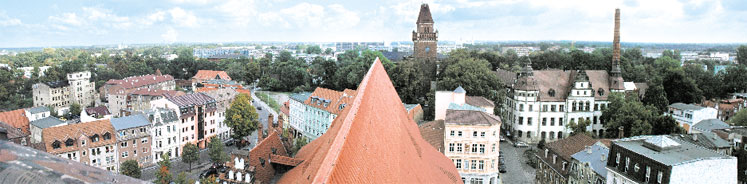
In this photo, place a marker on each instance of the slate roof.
(594, 158)
(425, 14)
(75, 131)
(469, 117)
(684, 153)
(333, 99)
(372, 141)
(710, 124)
(479, 101)
(128, 122)
(47, 122)
(211, 74)
(190, 99)
(300, 97)
(706, 139)
(139, 81)
(16, 118)
(35, 110)
(167, 115)
(21, 164)
(453, 106)
(156, 92)
(683, 106)
(433, 133)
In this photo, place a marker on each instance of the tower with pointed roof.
(425, 38)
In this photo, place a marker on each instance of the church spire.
(616, 71)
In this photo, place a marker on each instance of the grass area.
(269, 101)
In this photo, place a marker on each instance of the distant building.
(588, 165)
(312, 116)
(425, 38)
(116, 91)
(18, 123)
(727, 108)
(223, 99)
(472, 142)
(164, 133)
(91, 143)
(29, 71)
(197, 113)
(458, 99)
(125, 102)
(554, 162)
(663, 159)
(134, 139)
(37, 127)
(707, 140)
(61, 94)
(688, 115)
(203, 76)
(520, 51)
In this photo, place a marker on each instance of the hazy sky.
(78, 22)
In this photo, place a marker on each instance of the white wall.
(722, 171)
(443, 99)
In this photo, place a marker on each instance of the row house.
(116, 92)
(554, 161)
(92, 143)
(727, 108)
(223, 99)
(472, 140)
(667, 160)
(133, 139)
(164, 133)
(312, 116)
(76, 89)
(197, 114)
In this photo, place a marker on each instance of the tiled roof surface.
(568, 146)
(21, 164)
(433, 133)
(16, 118)
(285, 108)
(156, 92)
(479, 101)
(425, 14)
(561, 82)
(203, 89)
(211, 74)
(131, 121)
(12, 132)
(300, 97)
(468, 117)
(139, 81)
(190, 99)
(47, 122)
(284, 160)
(75, 131)
(100, 110)
(683, 153)
(372, 141)
(334, 99)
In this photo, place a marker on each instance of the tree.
(664, 125)
(74, 110)
(672, 54)
(328, 51)
(474, 75)
(208, 180)
(130, 168)
(742, 55)
(181, 178)
(315, 49)
(679, 87)
(739, 119)
(242, 117)
(579, 128)
(299, 142)
(410, 82)
(656, 96)
(629, 113)
(190, 154)
(163, 176)
(217, 150)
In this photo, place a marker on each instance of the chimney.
(270, 121)
(588, 149)
(260, 133)
(620, 132)
(616, 46)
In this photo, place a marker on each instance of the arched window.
(551, 92)
(600, 91)
(560, 135)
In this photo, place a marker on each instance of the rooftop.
(425, 14)
(300, 97)
(453, 106)
(16, 118)
(139, 81)
(479, 101)
(57, 84)
(706, 139)
(75, 131)
(469, 117)
(330, 100)
(35, 110)
(679, 151)
(596, 155)
(211, 74)
(682, 106)
(156, 92)
(101, 110)
(128, 122)
(433, 133)
(361, 140)
(190, 99)
(47, 122)
(708, 125)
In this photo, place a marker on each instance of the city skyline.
(82, 23)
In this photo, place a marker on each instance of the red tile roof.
(156, 92)
(211, 74)
(100, 110)
(139, 81)
(433, 132)
(16, 118)
(372, 141)
(75, 131)
(335, 99)
(285, 109)
(479, 101)
(280, 159)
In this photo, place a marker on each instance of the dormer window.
(95, 138)
(56, 144)
(551, 92)
(600, 91)
(69, 142)
(262, 161)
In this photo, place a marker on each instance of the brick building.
(116, 92)
(425, 38)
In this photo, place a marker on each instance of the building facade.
(459, 99)
(425, 38)
(61, 94)
(472, 140)
(223, 99)
(554, 162)
(197, 115)
(133, 139)
(313, 117)
(164, 133)
(663, 159)
(116, 92)
(588, 165)
(688, 115)
(92, 143)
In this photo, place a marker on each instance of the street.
(517, 171)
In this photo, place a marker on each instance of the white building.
(61, 94)
(663, 159)
(164, 133)
(458, 98)
(688, 115)
(197, 113)
(223, 99)
(472, 140)
(312, 114)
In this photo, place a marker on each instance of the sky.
(48, 23)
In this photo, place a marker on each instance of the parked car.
(209, 172)
(502, 168)
(259, 108)
(520, 144)
(503, 139)
(220, 168)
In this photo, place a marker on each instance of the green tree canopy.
(217, 150)
(739, 119)
(579, 127)
(742, 54)
(679, 87)
(242, 117)
(656, 96)
(190, 154)
(629, 113)
(130, 168)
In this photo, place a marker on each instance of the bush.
(531, 158)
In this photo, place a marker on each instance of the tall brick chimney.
(615, 77)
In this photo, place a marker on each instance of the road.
(264, 112)
(177, 166)
(517, 171)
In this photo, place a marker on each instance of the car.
(502, 168)
(220, 168)
(503, 139)
(259, 108)
(520, 144)
(209, 172)
(230, 142)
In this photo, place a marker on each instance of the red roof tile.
(335, 99)
(211, 74)
(75, 131)
(139, 81)
(16, 118)
(479, 101)
(372, 141)
(433, 132)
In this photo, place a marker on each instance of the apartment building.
(311, 116)
(147, 87)
(133, 139)
(197, 113)
(472, 141)
(688, 115)
(164, 133)
(92, 143)
(61, 94)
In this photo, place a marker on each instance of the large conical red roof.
(372, 141)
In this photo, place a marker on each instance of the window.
(521, 120)
(474, 133)
(481, 166)
(459, 147)
(648, 174)
(493, 148)
(107, 136)
(561, 108)
(636, 168)
(531, 108)
(544, 108)
(482, 148)
(627, 162)
(658, 177)
(474, 148)
(518, 134)
(552, 121)
(553, 108)
(521, 107)
(544, 121)
(560, 135)
(69, 142)
(451, 147)
(474, 164)
(144, 140)
(560, 121)
(56, 144)
(529, 134)
(83, 142)
(452, 133)
(458, 163)
(554, 159)
(460, 133)
(124, 154)
(529, 121)
(123, 144)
